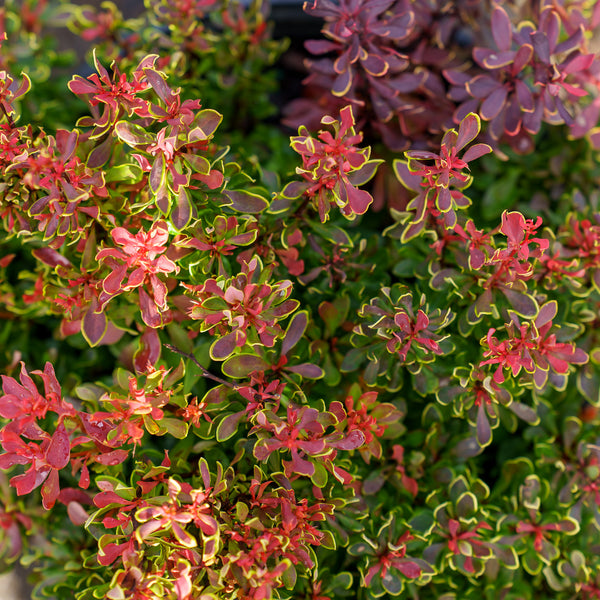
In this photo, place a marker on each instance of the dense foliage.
(244, 364)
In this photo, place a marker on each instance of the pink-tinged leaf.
(246, 202)
(159, 85)
(10, 407)
(307, 370)
(150, 314)
(79, 86)
(183, 537)
(501, 29)
(224, 347)
(59, 450)
(261, 450)
(132, 134)
(242, 365)
(444, 200)
(94, 325)
(157, 175)
(29, 480)
(9, 460)
(409, 569)
(77, 513)
(581, 62)
(112, 458)
(51, 257)
(148, 352)
(355, 439)
(476, 151)
(358, 200)
(422, 155)
(182, 212)
(493, 104)
(198, 164)
(468, 130)
(206, 123)
(112, 282)
(547, 312)
(228, 426)
(299, 466)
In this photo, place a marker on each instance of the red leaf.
(467, 130)
(50, 490)
(59, 449)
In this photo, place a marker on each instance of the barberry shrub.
(359, 360)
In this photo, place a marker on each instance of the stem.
(9, 118)
(205, 372)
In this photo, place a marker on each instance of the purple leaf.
(482, 86)
(182, 212)
(246, 202)
(374, 65)
(224, 347)
(342, 83)
(228, 426)
(493, 104)
(444, 200)
(541, 46)
(501, 29)
(522, 58)
(307, 370)
(294, 331)
(159, 85)
(484, 432)
(241, 365)
(524, 96)
(94, 325)
(320, 46)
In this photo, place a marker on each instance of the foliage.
(242, 365)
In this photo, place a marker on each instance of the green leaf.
(174, 426)
(124, 173)
(500, 195)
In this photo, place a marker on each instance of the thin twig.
(205, 372)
